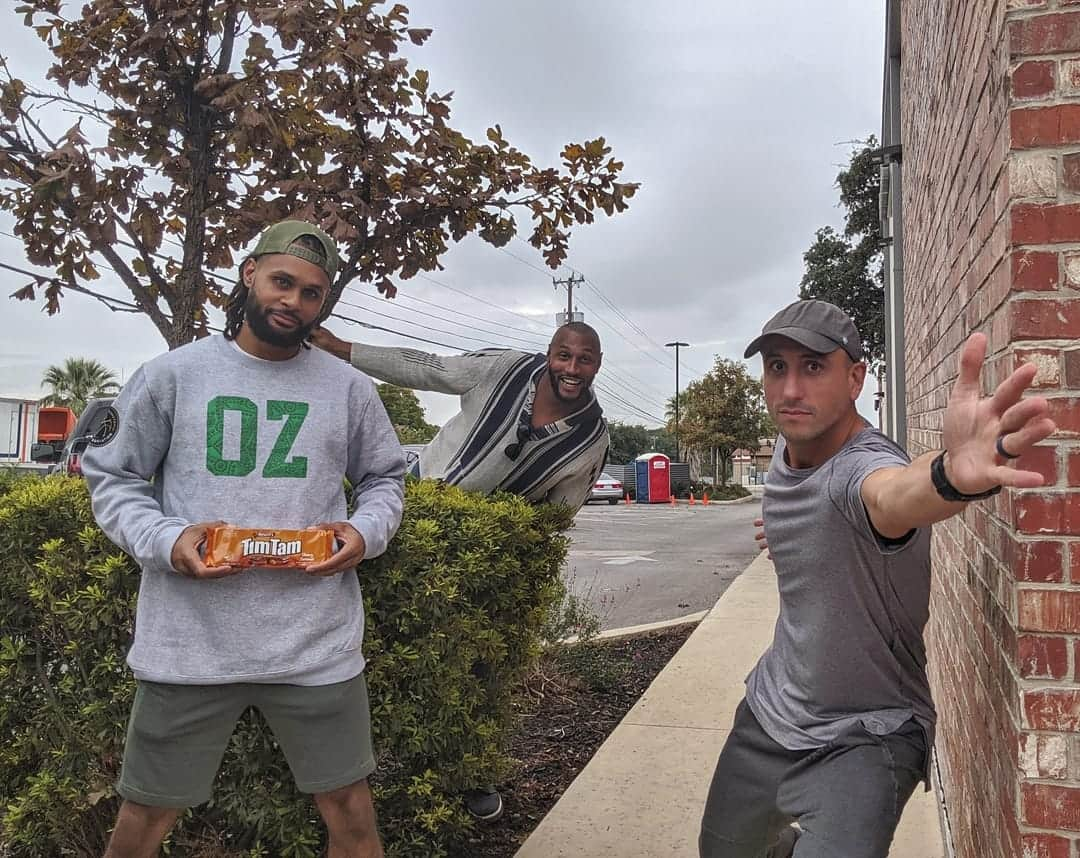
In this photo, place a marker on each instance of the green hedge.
(454, 611)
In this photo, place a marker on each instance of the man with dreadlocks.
(529, 424)
(255, 429)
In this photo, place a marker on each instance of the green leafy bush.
(454, 613)
(732, 491)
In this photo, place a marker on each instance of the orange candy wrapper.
(241, 547)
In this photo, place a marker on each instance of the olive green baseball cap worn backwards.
(818, 325)
(282, 238)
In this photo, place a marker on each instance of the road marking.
(628, 559)
(615, 558)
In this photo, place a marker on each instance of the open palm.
(973, 424)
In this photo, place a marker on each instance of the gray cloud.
(733, 116)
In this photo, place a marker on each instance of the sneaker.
(785, 846)
(485, 804)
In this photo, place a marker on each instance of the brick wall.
(991, 119)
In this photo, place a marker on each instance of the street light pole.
(677, 345)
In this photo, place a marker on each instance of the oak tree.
(199, 122)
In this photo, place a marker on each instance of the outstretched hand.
(973, 424)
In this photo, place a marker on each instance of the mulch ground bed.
(569, 706)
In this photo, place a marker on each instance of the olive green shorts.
(177, 736)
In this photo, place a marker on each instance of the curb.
(630, 631)
(746, 499)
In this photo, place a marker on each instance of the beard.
(258, 320)
(553, 378)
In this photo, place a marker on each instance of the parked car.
(412, 458)
(607, 488)
(89, 423)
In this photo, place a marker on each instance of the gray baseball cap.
(820, 326)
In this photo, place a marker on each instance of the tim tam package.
(241, 546)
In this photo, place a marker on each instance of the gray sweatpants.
(847, 797)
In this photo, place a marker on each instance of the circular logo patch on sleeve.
(107, 427)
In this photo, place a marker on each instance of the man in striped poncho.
(529, 424)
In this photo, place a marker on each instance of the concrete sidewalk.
(641, 795)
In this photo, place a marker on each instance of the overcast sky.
(734, 117)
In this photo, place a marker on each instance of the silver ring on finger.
(1001, 451)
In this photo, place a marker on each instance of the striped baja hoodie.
(490, 445)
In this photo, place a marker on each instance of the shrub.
(454, 611)
(732, 491)
(570, 615)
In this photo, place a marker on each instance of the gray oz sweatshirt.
(208, 432)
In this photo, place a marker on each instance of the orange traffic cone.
(627, 499)
(673, 500)
(705, 499)
(691, 498)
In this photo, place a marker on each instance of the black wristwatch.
(947, 490)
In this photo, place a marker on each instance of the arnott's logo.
(270, 547)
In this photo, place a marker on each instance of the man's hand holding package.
(350, 553)
(187, 553)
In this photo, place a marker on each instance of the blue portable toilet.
(652, 475)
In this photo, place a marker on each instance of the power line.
(599, 317)
(526, 262)
(609, 374)
(121, 305)
(636, 380)
(479, 300)
(618, 399)
(534, 343)
(620, 313)
(409, 297)
(632, 325)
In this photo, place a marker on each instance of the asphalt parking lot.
(643, 563)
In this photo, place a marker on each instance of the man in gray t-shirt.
(837, 725)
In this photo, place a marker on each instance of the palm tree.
(78, 381)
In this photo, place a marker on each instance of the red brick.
(1042, 657)
(1065, 412)
(1031, 127)
(1047, 513)
(1055, 709)
(1039, 561)
(1042, 460)
(1072, 368)
(1045, 846)
(1074, 468)
(1046, 224)
(1044, 320)
(1033, 79)
(1048, 611)
(1070, 167)
(1035, 270)
(1045, 34)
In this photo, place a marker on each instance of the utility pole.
(677, 345)
(569, 283)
